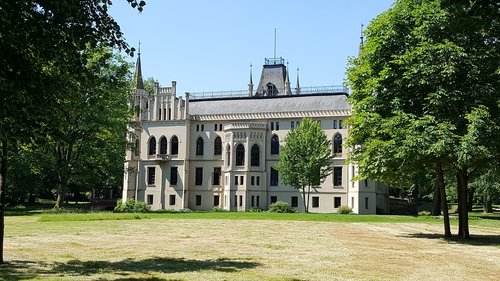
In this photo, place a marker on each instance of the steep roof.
(301, 103)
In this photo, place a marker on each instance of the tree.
(41, 41)
(305, 160)
(423, 86)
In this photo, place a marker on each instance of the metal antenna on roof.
(275, 45)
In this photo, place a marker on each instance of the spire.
(139, 84)
(250, 84)
(287, 82)
(251, 80)
(361, 37)
(287, 76)
(297, 88)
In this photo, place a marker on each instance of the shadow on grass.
(22, 270)
(475, 240)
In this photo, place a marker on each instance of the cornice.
(273, 115)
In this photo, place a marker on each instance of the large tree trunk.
(436, 200)
(3, 188)
(444, 204)
(304, 199)
(470, 199)
(463, 214)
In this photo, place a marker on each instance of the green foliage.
(254, 210)
(344, 210)
(218, 209)
(131, 206)
(281, 207)
(424, 213)
(305, 160)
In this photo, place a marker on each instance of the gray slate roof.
(269, 105)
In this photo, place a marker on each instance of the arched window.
(217, 146)
(255, 156)
(199, 146)
(240, 155)
(337, 143)
(136, 147)
(275, 145)
(228, 155)
(163, 145)
(152, 146)
(174, 146)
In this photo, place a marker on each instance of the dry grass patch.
(194, 249)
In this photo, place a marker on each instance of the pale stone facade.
(200, 153)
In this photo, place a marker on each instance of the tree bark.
(470, 199)
(306, 209)
(436, 200)
(3, 188)
(463, 214)
(444, 204)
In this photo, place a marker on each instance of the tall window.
(255, 155)
(199, 176)
(217, 145)
(315, 203)
(275, 145)
(337, 176)
(228, 155)
(174, 146)
(240, 155)
(163, 145)
(274, 177)
(295, 201)
(151, 175)
(337, 143)
(216, 176)
(173, 175)
(199, 146)
(152, 146)
(136, 147)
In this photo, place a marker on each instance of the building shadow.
(22, 270)
(475, 240)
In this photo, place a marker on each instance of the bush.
(453, 209)
(254, 210)
(218, 209)
(281, 207)
(344, 210)
(424, 213)
(185, 210)
(131, 206)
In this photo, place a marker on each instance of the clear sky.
(209, 45)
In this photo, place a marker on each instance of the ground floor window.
(295, 201)
(151, 175)
(216, 200)
(274, 199)
(366, 202)
(241, 200)
(257, 199)
(150, 199)
(337, 201)
(198, 200)
(172, 200)
(315, 202)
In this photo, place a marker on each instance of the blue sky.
(209, 45)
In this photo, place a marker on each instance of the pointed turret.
(138, 83)
(287, 81)
(297, 88)
(250, 84)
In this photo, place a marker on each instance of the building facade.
(210, 150)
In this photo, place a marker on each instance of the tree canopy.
(424, 85)
(305, 160)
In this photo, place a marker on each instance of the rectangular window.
(241, 180)
(337, 201)
(340, 124)
(277, 126)
(352, 202)
(173, 175)
(216, 200)
(235, 180)
(335, 124)
(151, 175)
(366, 202)
(220, 127)
(197, 128)
(150, 199)
(198, 200)
(252, 201)
(274, 199)
(366, 182)
(215, 127)
(298, 124)
(172, 200)
(315, 203)
(257, 199)
(241, 200)
(202, 127)
(236, 200)
(272, 126)
(274, 177)
(199, 176)
(169, 113)
(337, 176)
(216, 176)
(292, 125)
(295, 201)
(258, 180)
(252, 180)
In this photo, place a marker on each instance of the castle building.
(208, 150)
